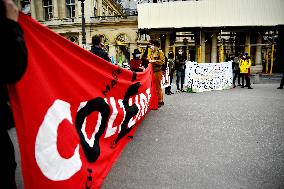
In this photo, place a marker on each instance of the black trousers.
(7, 164)
(169, 88)
(246, 76)
(282, 81)
(237, 74)
(180, 78)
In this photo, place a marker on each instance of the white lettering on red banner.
(46, 140)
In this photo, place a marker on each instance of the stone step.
(266, 78)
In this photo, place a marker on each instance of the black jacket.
(180, 63)
(13, 62)
(145, 61)
(100, 52)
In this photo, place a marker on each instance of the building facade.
(102, 17)
(213, 30)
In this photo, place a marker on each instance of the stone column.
(80, 39)
(61, 9)
(78, 12)
(38, 10)
(202, 47)
(100, 7)
(33, 9)
(89, 9)
(197, 45)
(55, 9)
(258, 59)
(196, 51)
(214, 48)
(247, 43)
(221, 53)
(167, 44)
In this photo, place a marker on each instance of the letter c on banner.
(51, 164)
(98, 104)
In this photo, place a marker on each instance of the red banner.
(74, 111)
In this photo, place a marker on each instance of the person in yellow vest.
(245, 64)
(157, 59)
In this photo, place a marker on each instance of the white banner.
(208, 76)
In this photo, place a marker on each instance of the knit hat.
(136, 51)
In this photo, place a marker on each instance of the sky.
(132, 4)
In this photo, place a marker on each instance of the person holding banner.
(13, 66)
(245, 64)
(157, 59)
(135, 62)
(180, 69)
(144, 58)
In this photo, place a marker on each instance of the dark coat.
(280, 49)
(136, 65)
(12, 68)
(100, 52)
(180, 63)
(13, 61)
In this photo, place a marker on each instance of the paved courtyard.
(231, 139)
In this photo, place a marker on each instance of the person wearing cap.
(135, 62)
(245, 64)
(157, 59)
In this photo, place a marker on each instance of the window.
(47, 9)
(110, 12)
(70, 8)
(95, 8)
(104, 10)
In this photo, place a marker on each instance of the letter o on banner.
(51, 164)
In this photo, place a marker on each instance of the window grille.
(70, 8)
(47, 9)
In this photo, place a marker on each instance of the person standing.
(282, 82)
(135, 62)
(245, 64)
(236, 71)
(144, 58)
(97, 49)
(13, 65)
(279, 53)
(171, 63)
(157, 59)
(180, 69)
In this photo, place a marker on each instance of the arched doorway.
(122, 48)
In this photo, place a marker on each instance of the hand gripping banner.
(74, 111)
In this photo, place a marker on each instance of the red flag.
(74, 111)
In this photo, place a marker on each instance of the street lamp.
(83, 23)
